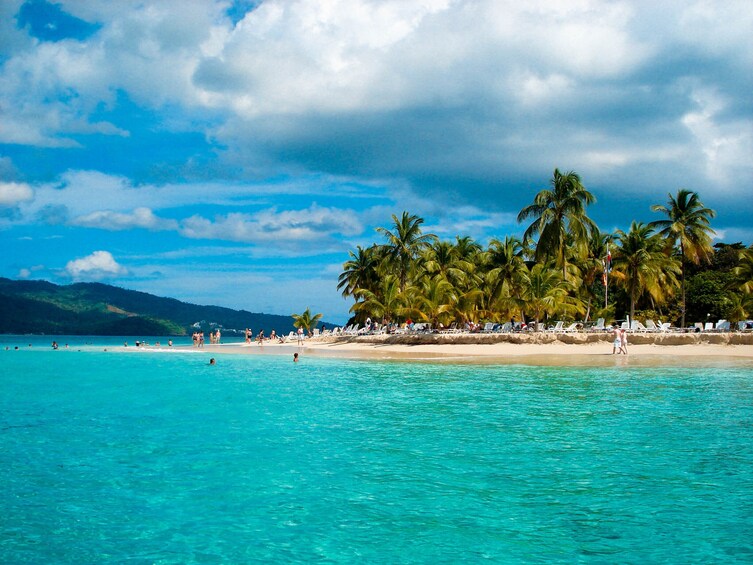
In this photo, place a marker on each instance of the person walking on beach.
(300, 336)
(623, 341)
(617, 343)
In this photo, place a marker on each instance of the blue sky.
(231, 153)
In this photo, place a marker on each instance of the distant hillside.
(100, 309)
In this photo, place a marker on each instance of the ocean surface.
(147, 457)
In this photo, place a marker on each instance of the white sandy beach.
(543, 349)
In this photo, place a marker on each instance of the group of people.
(620, 343)
(197, 337)
(261, 337)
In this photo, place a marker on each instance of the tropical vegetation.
(306, 320)
(563, 268)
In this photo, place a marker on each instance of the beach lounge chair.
(651, 326)
(708, 327)
(506, 327)
(664, 326)
(637, 326)
(722, 326)
(488, 327)
(625, 326)
(558, 327)
(316, 332)
(571, 328)
(599, 327)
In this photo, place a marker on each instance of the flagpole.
(606, 279)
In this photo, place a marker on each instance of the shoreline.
(542, 349)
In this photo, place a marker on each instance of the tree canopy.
(558, 270)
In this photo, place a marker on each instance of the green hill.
(100, 309)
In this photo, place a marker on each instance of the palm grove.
(666, 269)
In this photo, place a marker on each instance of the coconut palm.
(689, 224)
(385, 302)
(360, 271)
(557, 213)
(545, 292)
(435, 300)
(744, 271)
(739, 307)
(503, 270)
(404, 243)
(440, 259)
(642, 265)
(307, 321)
(590, 268)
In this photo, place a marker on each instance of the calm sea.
(145, 457)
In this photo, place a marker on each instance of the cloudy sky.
(232, 152)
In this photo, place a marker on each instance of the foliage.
(557, 271)
(688, 224)
(306, 320)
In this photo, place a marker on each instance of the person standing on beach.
(300, 336)
(617, 343)
(623, 341)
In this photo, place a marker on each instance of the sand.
(537, 349)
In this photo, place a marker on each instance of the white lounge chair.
(636, 326)
(708, 327)
(488, 327)
(599, 327)
(722, 326)
(571, 328)
(558, 327)
(651, 326)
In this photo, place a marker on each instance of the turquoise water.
(161, 458)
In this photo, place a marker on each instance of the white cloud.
(116, 221)
(270, 226)
(98, 265)
(12, 193)
(726, 147)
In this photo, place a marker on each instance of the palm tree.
(642, 265)
(557, 214)
(504, 269)
(306, 320)
(404, 243)
(744, 271)
(440, 259)
(360, 271)
(546, 292)
(591, 267)
(385, 302)
(689, 223)
(435, 300)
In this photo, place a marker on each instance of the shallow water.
(113, 456)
